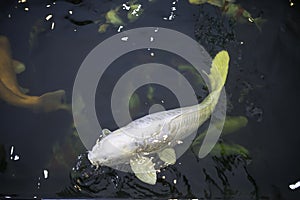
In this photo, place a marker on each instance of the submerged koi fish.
(12, 93)
(235, 11)
(240, 14)
(158, 132)
(218, 3)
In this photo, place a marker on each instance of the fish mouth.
(94, 160)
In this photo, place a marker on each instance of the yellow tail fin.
(219, 70)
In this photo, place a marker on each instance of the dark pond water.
(41, 156)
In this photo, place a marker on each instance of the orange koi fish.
(10, 91)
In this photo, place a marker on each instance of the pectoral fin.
(143, 168)
(106, 132)
(24, 90)
(18, 67)
(168, 155)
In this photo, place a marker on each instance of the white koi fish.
(12, 93)
(158, 132)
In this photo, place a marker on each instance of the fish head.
(112, 150)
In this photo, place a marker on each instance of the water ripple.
(87, 180)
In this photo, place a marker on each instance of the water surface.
(262, 84)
